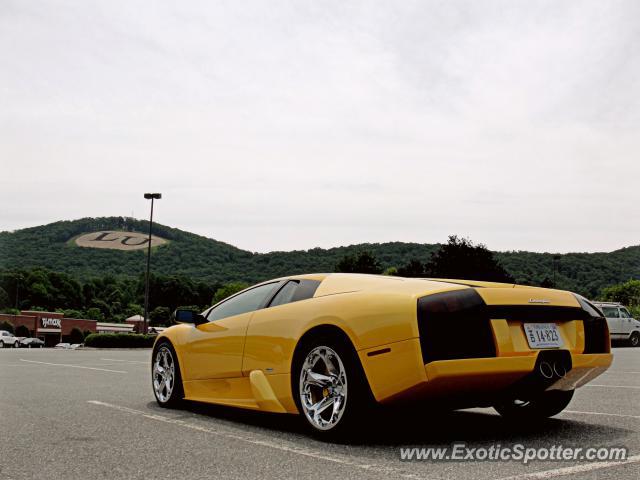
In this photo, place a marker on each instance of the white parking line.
(577, 412)
(585, 467)
(265, 443)
(612, 386)
(126, 361)
(73, 366)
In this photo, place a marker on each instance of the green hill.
(51, 246)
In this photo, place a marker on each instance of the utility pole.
(152, 197)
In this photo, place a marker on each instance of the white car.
(8, 339)
(622, 326)
(63, 345)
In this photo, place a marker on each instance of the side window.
(294, 291)
(242, 303)
(285, 295)
(624, 313)
(611, 312)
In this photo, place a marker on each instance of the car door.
(214, 349)
(612, 314)
(626, 321)
(269, 336)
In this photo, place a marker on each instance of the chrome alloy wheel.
(164, 374)
(323, 388)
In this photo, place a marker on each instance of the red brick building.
(52, 327)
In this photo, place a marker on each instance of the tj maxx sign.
(50, 323)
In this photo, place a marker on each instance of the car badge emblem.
(539, 300)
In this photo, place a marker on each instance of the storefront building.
(54, 327)
(51, 327)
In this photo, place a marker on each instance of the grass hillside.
(205, 259)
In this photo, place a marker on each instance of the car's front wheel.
(165, 376)
(16, 345)
(329, 386)
(545, 405)
(634, 339)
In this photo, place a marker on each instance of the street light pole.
(152, 197)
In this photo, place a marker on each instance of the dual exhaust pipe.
(552, 369)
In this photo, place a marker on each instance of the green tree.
(4, 325)
(94, 313)
(5, 302)
(415, 268)
(71, 313)
(228, 290)
(459, 258)
(627, 293)
(363, 262)
(134, 309)
(159, 316)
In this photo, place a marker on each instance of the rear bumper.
(398, 374)
(490, 374)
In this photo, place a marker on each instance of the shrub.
(4, 325)
(22, 331)
(119, 340)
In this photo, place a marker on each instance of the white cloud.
(280, 125)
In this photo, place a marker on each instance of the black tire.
(165, 398)
(634, 339)
(543, 406)
(16, 345)
(358, 400)
(1, 344)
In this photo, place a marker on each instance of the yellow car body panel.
(246, 360)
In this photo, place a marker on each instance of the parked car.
(31, 342)
(8, 339)
(63, 345)
(622, 326)
(74, 346)
(327, 346)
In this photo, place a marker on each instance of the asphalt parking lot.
(92, 414)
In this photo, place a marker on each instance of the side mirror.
(188, 316)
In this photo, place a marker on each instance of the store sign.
(117, 240)
(50, 323)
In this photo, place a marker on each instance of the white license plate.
(543, 335)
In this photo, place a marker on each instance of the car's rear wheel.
(329, 386)
(634, 339)
(16, 344)
(544, 405)
(165, 376)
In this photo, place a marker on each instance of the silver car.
(8, 339)
(622, 326)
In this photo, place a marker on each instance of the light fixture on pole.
(152, 197)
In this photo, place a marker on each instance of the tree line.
(115, 298)
(209, 261)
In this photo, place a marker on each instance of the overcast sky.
(278, 125)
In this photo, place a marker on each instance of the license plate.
(543, 335)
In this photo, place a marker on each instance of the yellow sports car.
(329, 345)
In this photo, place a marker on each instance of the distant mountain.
(53, 246)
